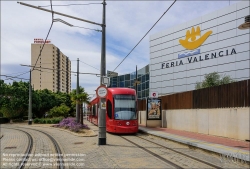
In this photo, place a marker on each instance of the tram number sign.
(102, 91)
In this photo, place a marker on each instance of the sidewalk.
(222, 146)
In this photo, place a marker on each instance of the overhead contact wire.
(71, 4)
(18, 75)
(146, 34)
(89, 65)
(46, 36)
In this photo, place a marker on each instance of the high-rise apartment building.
(52, 69)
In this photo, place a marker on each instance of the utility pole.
(30, 102)
(77, 92)
(102, 112)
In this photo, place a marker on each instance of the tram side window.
(94, 110)
(109, 109)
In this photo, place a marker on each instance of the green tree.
(44, 100)
(14, 100)
(59, 111)
(213, 79)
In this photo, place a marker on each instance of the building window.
(139, 94)
(147, 85)
(139, 87)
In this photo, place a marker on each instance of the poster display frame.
(156, 112)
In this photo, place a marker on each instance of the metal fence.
(235, 94)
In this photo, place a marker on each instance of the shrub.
(71, 124)
(43, 121)
(17, 120)
(48, 121)
(4, 120)
(36, 120)
(56, 120)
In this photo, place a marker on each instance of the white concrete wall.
(142, 117)
(227, 122)
(142, 120)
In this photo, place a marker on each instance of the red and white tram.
(121, 113)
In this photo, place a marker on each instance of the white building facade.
(182, 55)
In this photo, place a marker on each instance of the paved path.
(12, 143)
(118, 153)
(220, 145)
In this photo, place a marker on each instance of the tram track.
(56, 146)
(170, 149)
(184, 154)
(28, 149)
(154, 154)
(30, 145)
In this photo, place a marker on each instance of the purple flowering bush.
(71, 124)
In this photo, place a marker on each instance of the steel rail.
(152, 153)
(57, 148)
(184, 154)
(28, 150)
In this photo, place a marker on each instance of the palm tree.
(78, 100)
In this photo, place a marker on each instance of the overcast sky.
(127, 22)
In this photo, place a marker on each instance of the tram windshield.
(125, 107)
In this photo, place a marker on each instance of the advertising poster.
(153, 109)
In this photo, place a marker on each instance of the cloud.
(126, 23)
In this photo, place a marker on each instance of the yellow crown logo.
(193, 44)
